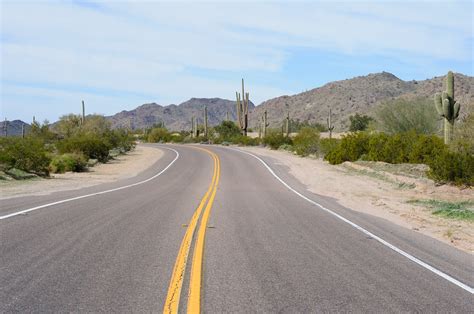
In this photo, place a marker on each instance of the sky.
(117, 55)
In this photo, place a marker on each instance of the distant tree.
(359, 122)
(403, 115)
(159, 135)
(227, 130)
(68, 125)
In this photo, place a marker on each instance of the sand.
(381, 194)
(122, 167)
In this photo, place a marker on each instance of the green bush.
(245, 140)
(326, 145)
(68, 162)
(91, 145)
(350, 148)
(306, 142)
(275, 139)
(454, 167)
(359, 122)
(159, 135)
(425, 148)
(27, 154)
(227, 130)
(402, 115)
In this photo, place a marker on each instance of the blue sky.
(118, 55)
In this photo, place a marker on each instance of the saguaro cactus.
(192, 126)
(330, 126)
(265, 124)
(242, 110)
(205, 121)
(287, 124)
(83, 117)
(447, 107)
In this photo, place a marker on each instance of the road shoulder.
(122, 167)
(382, 197)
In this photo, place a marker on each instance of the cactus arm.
(450, 85)
(457, 107)
(447, 109)
(438, 104)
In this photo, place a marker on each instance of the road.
(215, 230)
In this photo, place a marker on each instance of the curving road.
(215, 230)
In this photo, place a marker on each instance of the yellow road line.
(194, 297)
(176, 283)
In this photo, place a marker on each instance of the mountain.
(14, 128)
(358, 95)
(176, 117)
(361, 95)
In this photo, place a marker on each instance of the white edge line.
(391, 246)
(93, 194)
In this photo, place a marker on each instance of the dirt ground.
(123, 166)
(382, 194)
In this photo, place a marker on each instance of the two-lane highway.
(147, 246)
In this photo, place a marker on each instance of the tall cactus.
(265, 124)
(83, 117)
(192, 126)
(242, 110)
(447, 107)
(330, 126)
(287, 124)
(205, 121)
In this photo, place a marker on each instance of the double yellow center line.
(176, 283)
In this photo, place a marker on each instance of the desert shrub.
(376, 145)
(159, 135)
(119, 139)
(177, 138)
(326, 145)
(68, 162)
(91, 145)
(447, 166)
(359, 122)
(425, 148)
(350, 148)
(464, 135)
(397, 148)
(297, 125)
(287, 147)
(402, 115)
(306, 142)
(27, 154)
(245, 140)
(227, 130)
(275, 139)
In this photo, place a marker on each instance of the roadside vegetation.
(454, 210)
(68, 145)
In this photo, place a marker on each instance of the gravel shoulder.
(383, 194)
(122, 167)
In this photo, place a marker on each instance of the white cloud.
(149, 49)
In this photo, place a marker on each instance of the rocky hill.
(361, 95)
(358, 95)
(14, 128)
(176, 117)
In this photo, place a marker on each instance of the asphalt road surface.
(215, 230)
